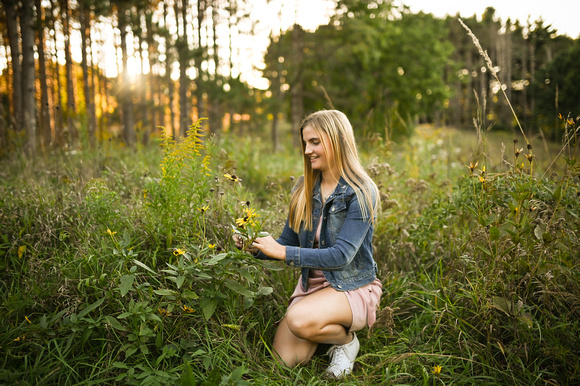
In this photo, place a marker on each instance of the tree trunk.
(183, 51)
(28, 75)
(85, 19)
(13, 38)
(125, 96)
(201, 6)
(44, 126)
(149, 129)
(168, 80)
(71, 109)
(296, 92)
(58, 114)
(215, 116)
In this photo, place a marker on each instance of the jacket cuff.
(293, 256)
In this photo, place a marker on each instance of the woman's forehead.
(310, 133)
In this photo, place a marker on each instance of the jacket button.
(339, 286)
(292, 263)
(322, 243)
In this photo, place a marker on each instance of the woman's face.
(319, 158)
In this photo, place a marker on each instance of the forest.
(177, 61)
(136, 137)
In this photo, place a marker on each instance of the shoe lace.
(336, 354)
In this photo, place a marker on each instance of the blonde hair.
(339, 131)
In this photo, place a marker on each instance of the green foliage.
(102, 283)
(494, 267)
(556, 91)
(366, 63)
(111, 280)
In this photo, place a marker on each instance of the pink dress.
(363, 301)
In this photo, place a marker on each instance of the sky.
(563, 15)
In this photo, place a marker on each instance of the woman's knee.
(301, 323)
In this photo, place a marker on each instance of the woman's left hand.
(268, 246)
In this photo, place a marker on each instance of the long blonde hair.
(339, 131)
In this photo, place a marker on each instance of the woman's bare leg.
(321, 317)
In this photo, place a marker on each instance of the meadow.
(117, 266)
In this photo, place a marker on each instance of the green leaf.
(494, 233)
(165, 292)
(140, 264)
(180, 280)
(115, 323)
(502, 304)
(557, 193)
(91, 307)
(237, 287)
(187, 377)
(57, 316)
(208, 305)
(216, 259)
(203, 275)
(189, 294)
(263, 291)
(120, 365)
(126, 283)
(526, 318)
(538, 231)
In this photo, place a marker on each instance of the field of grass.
(117, 266)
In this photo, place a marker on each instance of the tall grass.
(117, 267)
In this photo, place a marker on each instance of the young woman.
(328, 235)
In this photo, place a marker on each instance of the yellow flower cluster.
(248, 219)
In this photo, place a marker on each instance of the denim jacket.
(345, 252)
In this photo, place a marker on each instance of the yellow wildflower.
(518, 151)
(232, 177)
(21, 250)
(187, 309)
(28, 320)
(211, 246)
(164, 312)
(203, 209)
(251, 213)
(241, 222)
(482, 179)
(530, 158)
(110, 232)
(472, 166)
(436, 370)
(178, 251)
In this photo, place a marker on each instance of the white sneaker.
(342, 358)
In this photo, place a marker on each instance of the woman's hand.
(268, 246)
(239, 240)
